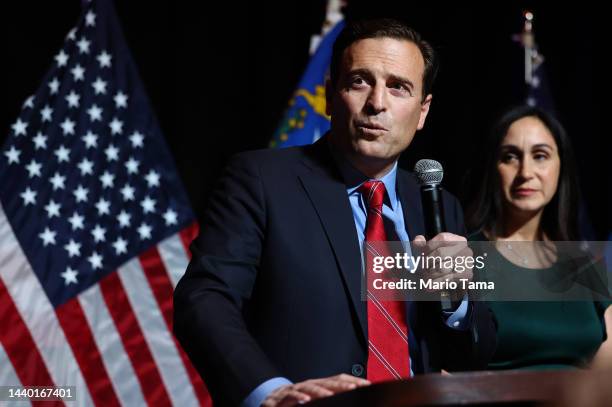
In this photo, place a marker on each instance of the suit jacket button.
(357, 370)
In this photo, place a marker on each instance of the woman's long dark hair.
(559, 219)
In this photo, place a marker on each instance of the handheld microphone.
(429, 174)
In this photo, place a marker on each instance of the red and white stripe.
(113, 342)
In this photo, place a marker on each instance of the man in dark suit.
(270, 309)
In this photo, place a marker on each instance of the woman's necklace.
(512, 249)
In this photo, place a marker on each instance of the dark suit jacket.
(273, 288)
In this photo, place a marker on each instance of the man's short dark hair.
(383, 28)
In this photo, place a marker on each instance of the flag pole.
(332, 17)
(528, 44)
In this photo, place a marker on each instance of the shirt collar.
(353, 178)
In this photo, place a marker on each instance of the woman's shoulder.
(477, 236)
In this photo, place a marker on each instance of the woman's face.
(528, 166)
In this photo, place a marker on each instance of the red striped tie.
(388, 356)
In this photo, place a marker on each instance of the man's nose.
(376, 102)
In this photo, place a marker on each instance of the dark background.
(219, 75)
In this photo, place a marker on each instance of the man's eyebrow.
(363, 72)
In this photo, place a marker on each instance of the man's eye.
(400, 88)
(357, 81)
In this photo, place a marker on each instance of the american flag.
(94, 229)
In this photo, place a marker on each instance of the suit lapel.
(327, 194)
(410, 197)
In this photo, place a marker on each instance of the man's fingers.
(419, 241)
(351, 379)
(315, 389)
(286, 396)
(291, 398)
(308, 390)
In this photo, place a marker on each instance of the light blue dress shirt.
(392, 210)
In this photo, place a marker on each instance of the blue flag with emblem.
(305, 119)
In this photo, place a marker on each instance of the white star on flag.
(132, 166)
(40, 141)
(99, 86)
(98, 234)
(48, 237)
(76, 221)
(73, 99)
(67, 126)
(90, 19)
(120, 100)
(28, 196)
(112, 153)
(12, 155)
(73, 248)
(124, 219)
(61, 58)
(90, 140)
(144, 231)
(148, 205)
(54, 86)
(128, 192)
(170, 217)
(104, 59)
(116, 126)
(29, 102)
(103, 207)
(95, 113)
(19, 127)
(83, 45)
(152, 179)
(120, 246)
(85, 166)
(62, 154)
(71, 34)
(34, 169)
(78, 73)
(69, 276)
(96, 260)
(58, 181)
(45, 113)
(107, 179)
(53, 209)
(80, 194)
(136, 138)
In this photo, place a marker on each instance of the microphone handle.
(433, 211)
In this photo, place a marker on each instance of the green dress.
(545, 335)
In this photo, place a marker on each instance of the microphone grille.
(429, 172)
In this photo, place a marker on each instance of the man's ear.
(424, 111)
(329, 94)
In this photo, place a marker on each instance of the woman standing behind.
(529, 193)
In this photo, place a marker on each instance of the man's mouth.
(371, 126)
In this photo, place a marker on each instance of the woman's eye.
(506, 158)
(540, 157)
